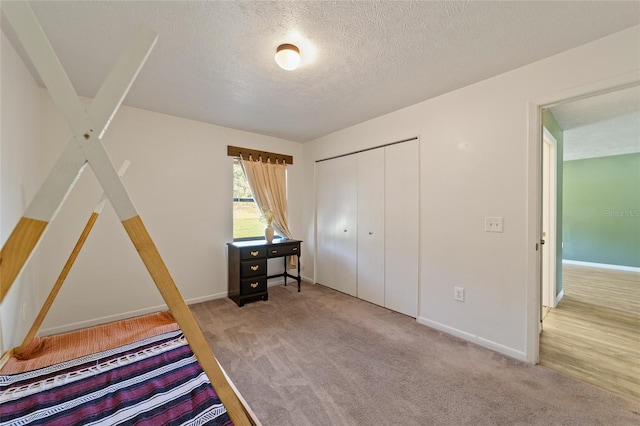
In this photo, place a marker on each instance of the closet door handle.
(370, 233)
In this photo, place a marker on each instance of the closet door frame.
(371, 196)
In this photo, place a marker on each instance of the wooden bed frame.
(85, 147)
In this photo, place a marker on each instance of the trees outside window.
(247, 223)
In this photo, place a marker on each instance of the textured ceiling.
(599, 126)
(214, 60)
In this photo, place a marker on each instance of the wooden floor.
(594, 332)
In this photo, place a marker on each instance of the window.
(247, 223)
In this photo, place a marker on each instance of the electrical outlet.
(493, 224)
(458, 294)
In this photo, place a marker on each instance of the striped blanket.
(154, 381)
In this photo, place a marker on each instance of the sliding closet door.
(401, 227)
(325, 222)
(336, 223)
(346, 221)
(371, 195)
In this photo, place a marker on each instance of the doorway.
(549, 219)
(589, 323)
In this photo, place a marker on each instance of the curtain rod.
(235, 151)
(368, 149)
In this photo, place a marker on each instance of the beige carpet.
(320, 357)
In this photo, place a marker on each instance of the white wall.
(181, 182)
(19, 118)
(475, 161)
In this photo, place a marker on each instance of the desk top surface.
(261, 243)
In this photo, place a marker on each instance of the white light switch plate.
(493, 224)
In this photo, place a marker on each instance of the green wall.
(550, 123)
(602, 210)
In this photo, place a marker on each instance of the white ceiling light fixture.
(288, 56)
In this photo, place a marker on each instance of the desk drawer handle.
(254, 285)
(294, 249)
(254, 253)
(255, 267)
(274, 251)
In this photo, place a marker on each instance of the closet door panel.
(325, 223)
(371, 193)
(346, 226)
(401, 227)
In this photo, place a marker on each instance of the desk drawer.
(253, 253)
(254, 285)
(283, 250)
(252, 268)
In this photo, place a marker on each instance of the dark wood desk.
(248, 267)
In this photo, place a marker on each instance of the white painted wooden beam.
(71, 162)
(84, 125)
(102, 167)
(58, 184)
(120, 78)
(103, 199)
(83, 148)
(44, 59)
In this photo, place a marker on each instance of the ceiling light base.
(288, 56)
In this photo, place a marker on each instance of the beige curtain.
(268, 184)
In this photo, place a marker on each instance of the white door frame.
(534, 193)
(549, 214)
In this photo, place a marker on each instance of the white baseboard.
(131, 314)
(195, 300)
(559, 296)
(110, 318)
(601, 265)
(513, 353)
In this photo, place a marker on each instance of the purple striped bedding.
(155, 381)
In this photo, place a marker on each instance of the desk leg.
(299, 279)
(285, 270)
